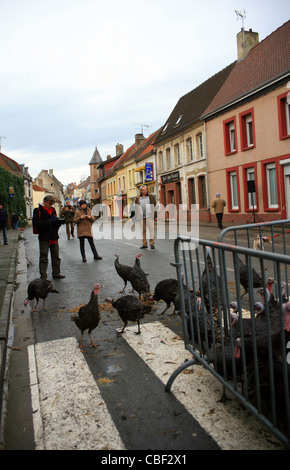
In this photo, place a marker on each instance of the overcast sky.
(76, 74)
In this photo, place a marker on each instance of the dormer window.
(178, 120)
(165, 127)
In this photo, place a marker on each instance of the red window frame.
(243, 129)
(227, 144)
(229, 193)
(281, 99)
(264, 164)
(245, 186)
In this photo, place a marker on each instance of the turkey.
(39, 289)
(228, 367)
(88, 316)
(239, 325)
(210, 284)
(138, 278)
(244, 278)
(130, 309)
(166, 290)
(123, 270)
(286, 309)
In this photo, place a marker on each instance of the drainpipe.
(207, 185)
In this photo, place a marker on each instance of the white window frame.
(232, 136)
(251, 177)
(249, 130)
(234, 190)
(272, 201)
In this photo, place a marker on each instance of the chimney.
(119, 149)
(139, 139)
(108, 157)
(245, 41)
(50, 172)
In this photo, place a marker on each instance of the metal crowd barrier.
(266, 236)
(243, 344)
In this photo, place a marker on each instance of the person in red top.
(47, 224)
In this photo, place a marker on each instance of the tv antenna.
(142, 125)
(242, 15)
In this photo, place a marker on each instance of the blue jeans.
(4, 235)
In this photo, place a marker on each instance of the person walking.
(46, 224)
(14, 220)
(84, 220)
(3, 223)
(219, 205)
(147, 212)
(68, 213)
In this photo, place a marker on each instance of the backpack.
(35, 229)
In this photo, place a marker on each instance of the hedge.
(16, 203)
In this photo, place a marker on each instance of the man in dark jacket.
(68, 213)
(3, 223)
(47, 224)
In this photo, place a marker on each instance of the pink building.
(248, 131)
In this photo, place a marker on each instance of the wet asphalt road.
(146, 416)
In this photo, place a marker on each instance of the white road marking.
(231, 426)
(69, 412)
(74, 415)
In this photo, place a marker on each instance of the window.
(191, 191)
(272, 186)
(251, 177)
(199, 142)
(168, 159)
(201, 192)
(189, 149)
(247, 129)
(230, 139)
(160, 161)
(165, 127)
(177, 155)
(284, 115)
(233, 189)
(178, 120)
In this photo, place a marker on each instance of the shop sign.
(149, 172)
(170, 178)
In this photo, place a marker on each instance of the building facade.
(248, 134)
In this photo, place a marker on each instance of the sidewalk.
(8, 263)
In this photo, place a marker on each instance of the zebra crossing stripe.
(69, 403)
(230, 425)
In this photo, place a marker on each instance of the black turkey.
(239, 325)
(229, 364)
(244, 278)
(286, 310)
(166, 290)
(88, 316)
(130, 309)
(138, 278)
(123, 270)
(39, 289)
(210, 285)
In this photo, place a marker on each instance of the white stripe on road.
(73, 413)
(231, 426)
(69, 412)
